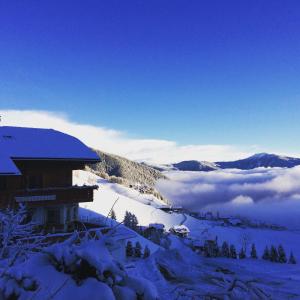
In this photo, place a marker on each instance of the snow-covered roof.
(180, 228)
(20, 143)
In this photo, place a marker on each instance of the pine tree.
(134, 222)
(225, 250)
(233, 252)
(127, 219)
(281, 255)
(113, 215)
(138, 250)
(292, 259)
(129, 249)
(253, 251)
(146, 252)
(273, 254)
(266, 255)
(216, 250)
(131, 221)
(242, 253)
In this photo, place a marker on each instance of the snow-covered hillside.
(87, 266)
(145, 207)
(195, 275)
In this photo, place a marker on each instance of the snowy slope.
(145, 207)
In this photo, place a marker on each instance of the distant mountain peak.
(265, 160)
(260, 155)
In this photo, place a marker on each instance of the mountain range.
(265, 160)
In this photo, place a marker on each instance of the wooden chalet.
(36, 168)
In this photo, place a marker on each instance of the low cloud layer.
(117, 142)
(272, 195)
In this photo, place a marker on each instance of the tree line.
(211, 249)
(137, 251)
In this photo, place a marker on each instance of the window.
(53, 216)
(3, 183)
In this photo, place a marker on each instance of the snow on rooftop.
(35, 143)
(181, 228)
(7, 166)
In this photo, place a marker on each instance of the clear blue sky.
(220, 72)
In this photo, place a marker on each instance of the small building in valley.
(180, 230)
(36, 168)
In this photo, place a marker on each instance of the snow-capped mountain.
(265, 160)
(194, 165)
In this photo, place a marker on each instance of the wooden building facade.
(36, 167)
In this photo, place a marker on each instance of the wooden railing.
(47, 196)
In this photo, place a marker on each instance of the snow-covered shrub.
(14, 233)
(83, 262)
(86, 259)
(13, 282)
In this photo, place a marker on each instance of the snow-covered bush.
(14, 233)
(86, 259)
(14, 282)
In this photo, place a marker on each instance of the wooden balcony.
(47, 196)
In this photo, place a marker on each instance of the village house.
(180, 230)
(36, 167)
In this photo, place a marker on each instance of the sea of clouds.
(267, 194)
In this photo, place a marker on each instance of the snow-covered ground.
(281, 281)
(145, 207)
(90, 268)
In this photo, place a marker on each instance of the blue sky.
(200, 72)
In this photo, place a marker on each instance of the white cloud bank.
(117, 142)
(268, 194)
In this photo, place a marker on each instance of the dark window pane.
(3, 184)
(53, 216)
